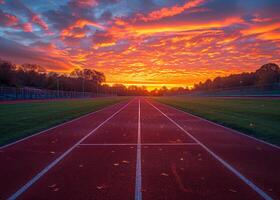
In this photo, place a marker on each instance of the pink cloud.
(39, 21)
(27, 27)
(8, 19)
(85, 3)
(169, 12)
(75, 30)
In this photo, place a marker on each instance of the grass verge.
(256, 117)
(22, 119)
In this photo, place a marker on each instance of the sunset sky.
(143, 42)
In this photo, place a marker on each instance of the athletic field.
(139, 148)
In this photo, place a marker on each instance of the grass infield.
(18, 120)
(253, 116)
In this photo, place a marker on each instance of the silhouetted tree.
(32, 75)
(7, 73)
(267, 74)
(89, 80)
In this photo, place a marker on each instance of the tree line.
(266, 75)
(35, 76)
(79, 80)
(89, 80)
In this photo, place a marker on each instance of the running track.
(139, 150)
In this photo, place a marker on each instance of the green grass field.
(18, 120)
(257, 117)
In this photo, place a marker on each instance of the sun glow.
(160, 44)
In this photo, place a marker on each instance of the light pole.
(83, 84)
(96, 89)
(57, 86)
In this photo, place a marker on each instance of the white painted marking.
(170, 144)
(52, 164)
(142, 144)
(230, 129)
(138, 178)
(110, 144)
(263, 194)
(41, 132)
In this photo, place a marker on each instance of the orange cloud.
(105, 44)
(169, 12)
(81, 23)
(181, 55)
(261, 29)
(270, 36)
(179, 27)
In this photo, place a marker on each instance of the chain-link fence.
(12, 93)
(257, 90)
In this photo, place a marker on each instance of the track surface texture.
(140, 149)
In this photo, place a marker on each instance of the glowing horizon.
(152, 43)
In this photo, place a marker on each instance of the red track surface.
(98, 157)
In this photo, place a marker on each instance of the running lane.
(102, 166)
(23, 160)
(257, 161)
(182, 170)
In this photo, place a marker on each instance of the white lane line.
(52, 164)
(142, 144)
(263, 194)
(170, 144)
(230, 129)
(138, 178)
(41, 132)
(110, 144)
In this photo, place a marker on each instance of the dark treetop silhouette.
(89, 80)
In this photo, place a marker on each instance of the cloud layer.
(150, 42)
